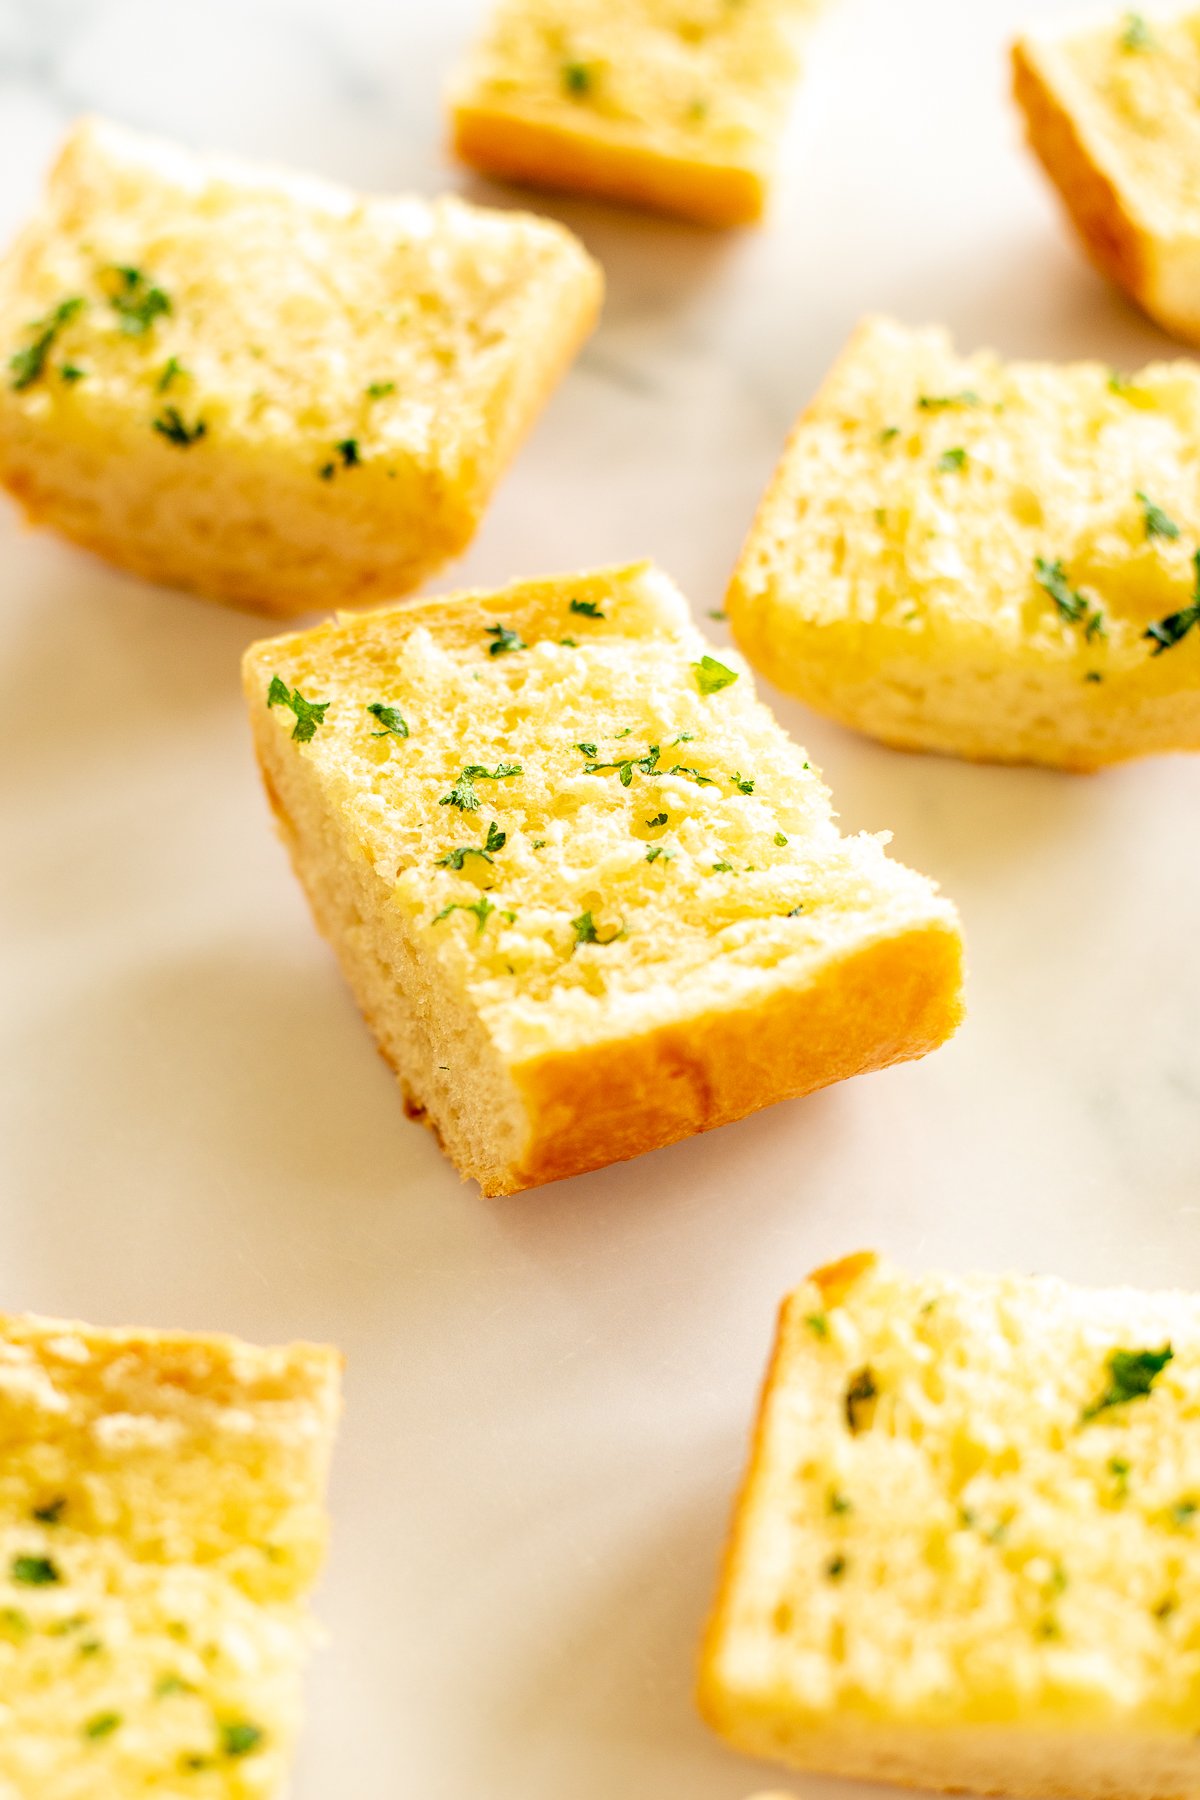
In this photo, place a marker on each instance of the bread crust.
(544, 153)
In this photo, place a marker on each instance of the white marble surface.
(548, 1397)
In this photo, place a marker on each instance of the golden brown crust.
(896, 999)
(544, 154)
(1117, 244)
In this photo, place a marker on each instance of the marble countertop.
(548, 1398)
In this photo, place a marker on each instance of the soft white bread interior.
(995, 560)
(265, 388)
(966, 1554)
(161, 1523)
(676, 105)
(587, 893)
(1110, 108)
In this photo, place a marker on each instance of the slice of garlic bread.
(676, 105)
(161, 1523)
(588, 894)
(995, 560)
(966, 1554)
(1110, 108)
(265, 388)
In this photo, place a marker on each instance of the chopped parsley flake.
(861, 1396)
(463, 796)
(940, 402)
(135, 299)
(657, 850)
(1136, 34)
(34, 1571)
(722, 868)
(1166, 633)
(504, 640)
(888, 433)
(1183, 1512)
(240, 1738)
(1072, 606)
(577, 79)
(818, 1324)
(496, 840)
(309, 713)
(28, 365)
(171, 424)
(718, 613)
(625, 766)
(694, 775)
(780, 840)
(589, 608)
(656, 821)
(393, 725)
(743, 783)
(1157, 522)
(952, 462)
(482, 909)
(172, 371)
(588, 749)
(379, 390)
(102, 1726)
(795, 911)
(712, 676)
(835, 1568)
(1131, 1375)
(586, 932)
(839, 1504)
(71, 373)
(51, 1513)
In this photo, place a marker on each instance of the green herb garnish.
(71, 373)
(1131, 1375)
(1157, 522)
(172, 370)
(952, 462)
(586, 933)
(861, 1396)
(818, 1324)
(656, 821)
(577, 79)
(102, 1726)
(693, 775)
(504, 640)
(170, 424)
(589, 608)
(1183, 1512)
(393, 725)
(309, 713)
(839, 1504)
(780, 840)
(482, 909)
(454, 859)
(1168, 632)
(835, 1568)
(463, 796)
(379, 390)
(29, 364)
(940, 402)
(136, 301)
(743, 783)
(657, 850)
(1072, 606)
(241, 1738)
(712, 676)
(1136, 34)
(625, 766)
(34, 1571)
(51, 1513)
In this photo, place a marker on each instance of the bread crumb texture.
(161, 1522)
(1111, 113)
(995, 560)
(966, 1554)
(676, 105)
(264, 388)
(587, 892)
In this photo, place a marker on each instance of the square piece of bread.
(1110, 108)
(161, 1522)
(265, 388)
(994, 560)
(675, 105)
(587, 893)
(967, 1553)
